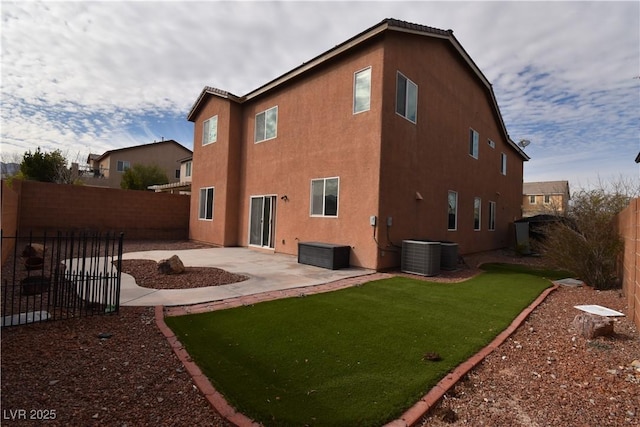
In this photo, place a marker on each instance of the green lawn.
(355, 356)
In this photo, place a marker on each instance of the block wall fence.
(29, 206)
(629, 229)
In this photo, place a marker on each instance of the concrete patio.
(266, 271)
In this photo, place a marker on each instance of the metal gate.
(60, 276)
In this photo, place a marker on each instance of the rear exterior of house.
(392, 135)
(106, 170)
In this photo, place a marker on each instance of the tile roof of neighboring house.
(545, 187)
(388, 24)
(108, 153)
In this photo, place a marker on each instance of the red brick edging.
(216, 400)
(409, 418)
(429, 400)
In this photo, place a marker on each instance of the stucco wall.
(139, 214)
(629, 228)
(432, 157)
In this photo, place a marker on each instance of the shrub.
(588, 243)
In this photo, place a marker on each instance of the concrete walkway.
(267, 272)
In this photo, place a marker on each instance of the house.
(394, 134)
(106, 170)
(547, 197)
(181, 187)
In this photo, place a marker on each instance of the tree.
(587, 242)
(45, 167)
(139, 177)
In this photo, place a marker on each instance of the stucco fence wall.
(629, 228)
(29, 206)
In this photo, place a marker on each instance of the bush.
(588, 244)
(139, 177)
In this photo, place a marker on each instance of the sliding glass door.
(261, 221)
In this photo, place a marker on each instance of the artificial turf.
(354, 356)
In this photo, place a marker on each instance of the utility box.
(325, 255)
(420, 257)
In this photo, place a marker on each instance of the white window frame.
(260, 132)
(532, 199)
(503, 164)
(477, 214)
(453, 194)
(491, 143)
(324, 197)
(187, 169)
(210, 130)
(362, 90)
(547, 199)
(123, 165)
(203, 204)
(474, 143)
(492, 216)
(407, 98)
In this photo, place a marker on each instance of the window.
(122, 165)
(177, 173)
(532, 200)
(473, 143)
(362, 91)
(406, 98)
(210, 130)
(187, 169)
(324, 196)
(206, 203)
(491, 143)
(503, 163)
(492, 216)
(453, 211)
(547, 199)
(477, 206)
(266, 125)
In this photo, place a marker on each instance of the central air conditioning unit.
(420, 257)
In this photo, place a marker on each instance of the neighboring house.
(184, 185)
(394, 134)
(548, 197)
(9, 169)
(106, 170)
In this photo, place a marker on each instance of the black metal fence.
(59, 276)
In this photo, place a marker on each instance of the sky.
(86, 77)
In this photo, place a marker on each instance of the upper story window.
(187, 169)
(477, 207)
(532, 200)
(491, 143)
(453, 211)
(266, 125)
(547, 199)
(210, 130)
(474, 138)
(503, 163)
(324, 196)
(205, 203)
(122, 165)
(177, 173)
(406, 98)
(362, 91)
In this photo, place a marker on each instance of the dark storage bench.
(324, 255)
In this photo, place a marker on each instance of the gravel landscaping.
(119, 369)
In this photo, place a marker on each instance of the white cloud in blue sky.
(92, 76)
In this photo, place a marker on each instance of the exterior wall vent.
(420, 257)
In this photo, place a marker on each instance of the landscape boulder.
(172, 265)
(591, 325)
(34, 250)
